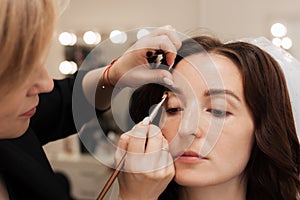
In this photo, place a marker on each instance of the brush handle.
(112, 178)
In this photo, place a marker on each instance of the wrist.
(106, 79)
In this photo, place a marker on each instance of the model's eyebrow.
(175, 90)
(212, 92)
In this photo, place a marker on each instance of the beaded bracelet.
(105, 73)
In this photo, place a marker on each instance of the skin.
(217, 175)
(19, 105)
(210, 136)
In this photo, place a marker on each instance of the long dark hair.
(273, 168)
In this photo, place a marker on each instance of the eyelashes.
(174, 111)
(215, 112)
(218, 113)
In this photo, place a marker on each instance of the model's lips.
(190, 156)
(29, 113)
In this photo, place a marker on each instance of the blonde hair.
(26, 29)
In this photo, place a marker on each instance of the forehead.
(206, 71)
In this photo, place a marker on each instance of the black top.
(24, 165)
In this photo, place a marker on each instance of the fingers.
(154, 42)
(170, 32)
(167, 169)
(155, 139)
(147, 154)
(146, 150)
(149, 172)
(137, 138)
(164, 38)
(164, 43)
(156, 76)
(132, 68)
(135, 158)
(158, 150)
(122, 148)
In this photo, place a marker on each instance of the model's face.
(19, 105)
(207, 122)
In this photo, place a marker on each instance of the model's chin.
(19, 129)
(191, 181)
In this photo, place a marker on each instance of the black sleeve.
(54, 117)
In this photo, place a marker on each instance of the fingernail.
(171, 65)
(146, 121)
(168, 81)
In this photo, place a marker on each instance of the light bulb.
(276, 42)
(286, 43)
(68, 67)
(118, 37)
(141, 33)
(91, 37)
(278, 30)
(67, 39)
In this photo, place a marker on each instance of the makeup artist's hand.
(146, 171)
(132, 68)
(165, 39)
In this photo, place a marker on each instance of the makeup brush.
(116, 172)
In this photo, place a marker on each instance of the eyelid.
(224, 100)
(171, 99)
(172, 104)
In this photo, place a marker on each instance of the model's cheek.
(170, 129)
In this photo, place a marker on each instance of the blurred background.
(85, 24)
(228, 19)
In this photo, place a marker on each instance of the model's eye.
(173, 111)
(218, 113)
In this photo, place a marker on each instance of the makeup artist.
(34, 109)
